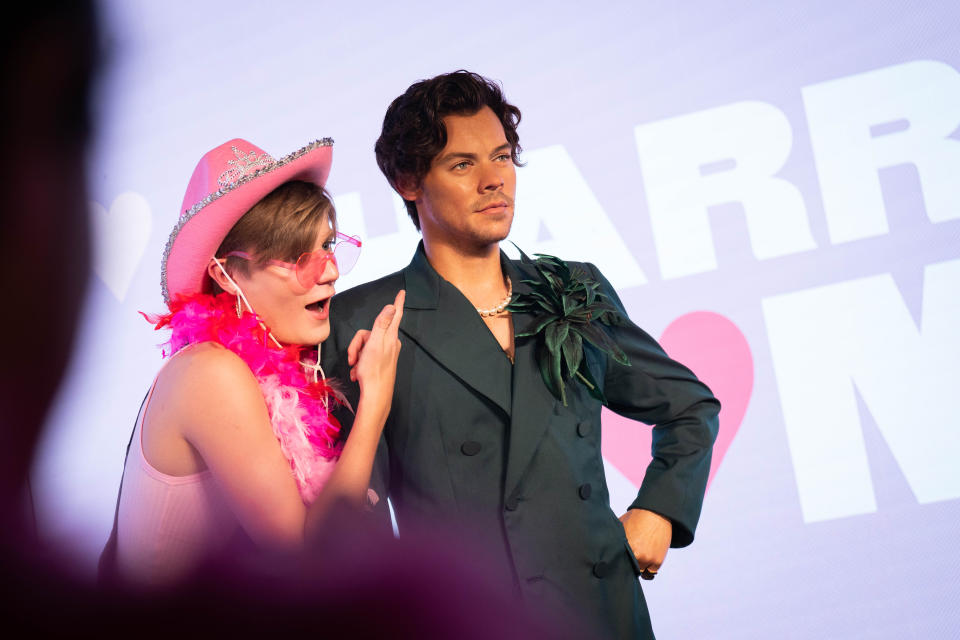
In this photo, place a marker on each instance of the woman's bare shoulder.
(206, 360)
(206, 373)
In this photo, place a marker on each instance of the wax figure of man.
(476, 436)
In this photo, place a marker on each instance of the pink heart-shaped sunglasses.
(309, 267)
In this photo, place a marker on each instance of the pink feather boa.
(308, 434)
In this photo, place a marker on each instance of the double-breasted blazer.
(474, 440)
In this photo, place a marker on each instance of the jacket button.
(470, 448)
(583, 429)
(585, 491)
(601, 569)
(512, 503)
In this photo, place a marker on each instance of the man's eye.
(503, 157)
(461, 165)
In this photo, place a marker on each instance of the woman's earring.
(239, 310)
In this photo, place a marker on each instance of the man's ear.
(408, 188)
(217, 275)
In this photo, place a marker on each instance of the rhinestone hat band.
(246, 167)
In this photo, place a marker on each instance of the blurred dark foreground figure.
(354, 583)
(48, 58)
(352, 580)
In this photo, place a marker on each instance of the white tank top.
(167, 524)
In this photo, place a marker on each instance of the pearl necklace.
(493, 311)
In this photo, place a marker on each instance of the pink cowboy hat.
(227, 182)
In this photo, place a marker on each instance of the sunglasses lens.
(309, 268)
(346, 254)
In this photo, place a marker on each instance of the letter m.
(829, 340)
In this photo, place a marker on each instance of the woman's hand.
(372, 355)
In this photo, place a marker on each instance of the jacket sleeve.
(662, 392)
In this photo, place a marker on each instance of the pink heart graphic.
(716, 350)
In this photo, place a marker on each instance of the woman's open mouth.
(320, 308)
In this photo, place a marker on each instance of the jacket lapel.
(533, 404)
(444, 324)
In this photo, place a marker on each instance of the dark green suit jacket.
(475, 441)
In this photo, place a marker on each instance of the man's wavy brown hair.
(413, 129)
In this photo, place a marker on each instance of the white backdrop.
(773, 188)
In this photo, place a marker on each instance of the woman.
(235, 432)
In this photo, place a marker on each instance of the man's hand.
(649, 536)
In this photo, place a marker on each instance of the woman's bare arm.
(211, 398)
(373, 356)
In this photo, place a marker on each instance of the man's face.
(466, 199)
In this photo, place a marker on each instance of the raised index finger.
(398, 305)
